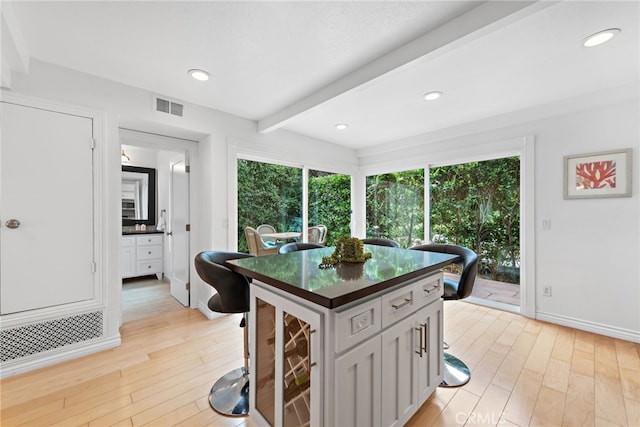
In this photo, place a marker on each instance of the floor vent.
(39, 337)
(169, 107)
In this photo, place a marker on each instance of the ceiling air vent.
(169, 107)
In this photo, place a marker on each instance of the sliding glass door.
(477, 205)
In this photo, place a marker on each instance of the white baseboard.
(584, 325)
(62, 354)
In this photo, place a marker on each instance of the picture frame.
(594, 175)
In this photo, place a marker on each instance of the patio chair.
(323, 233)
(265, 229)
(298, 246)
(257, 246)
(314, 235)
(456, 373)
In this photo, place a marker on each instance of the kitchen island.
(357, 344)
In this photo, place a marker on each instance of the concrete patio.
(492, 290)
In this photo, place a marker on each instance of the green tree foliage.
(330, 204)
(268, 194)
(395, 206)
(477, 205)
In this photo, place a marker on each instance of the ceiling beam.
(485, 18)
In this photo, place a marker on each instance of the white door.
(179, 236)
(430, 362)
(358, 383)
(46, 197)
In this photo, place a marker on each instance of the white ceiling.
(305, 66)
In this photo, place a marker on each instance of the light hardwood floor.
(146, 296)
(524, 372)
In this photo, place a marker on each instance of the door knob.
(12, 223)
(169, 233)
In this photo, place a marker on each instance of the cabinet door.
(128, 261)
(358, 385)
(287, 362)
(429, 321)
(399, 372)
(263, 359)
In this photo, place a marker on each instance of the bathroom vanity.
(142, 253)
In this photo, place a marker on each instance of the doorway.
(145, 295)
(477, 205)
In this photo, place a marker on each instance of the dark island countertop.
(299, 273)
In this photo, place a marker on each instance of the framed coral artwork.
(605, 174)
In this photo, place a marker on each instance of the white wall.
(591, 255)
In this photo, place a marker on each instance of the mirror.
(138, 195)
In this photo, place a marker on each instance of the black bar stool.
(381, 241)
(230, 394)
(456, 372)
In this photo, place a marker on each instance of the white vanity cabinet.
(142, 255)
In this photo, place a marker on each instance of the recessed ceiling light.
(201, 75)
(433, 95)
(600, 37)
(342, 126)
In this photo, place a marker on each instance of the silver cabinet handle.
(12, 223)
(433, 288)
(406, 301)
(310, 363)
(421, 346)
(426, 337)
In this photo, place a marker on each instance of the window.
(268, 194)
(330, 204)
(395, 206)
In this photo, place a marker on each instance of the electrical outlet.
(546, 291)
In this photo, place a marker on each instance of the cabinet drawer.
(357, 324)
(398, 304)
(149, 267)
(428, 290)
(128, 241)
(155, 239)
(149, 252)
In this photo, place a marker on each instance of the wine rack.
(265, 360)
(297, 371)
(297, 365)
(286, 362)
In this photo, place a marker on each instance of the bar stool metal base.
(230, 394)
(456, 373)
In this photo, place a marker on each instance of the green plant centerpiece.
(348, 249)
